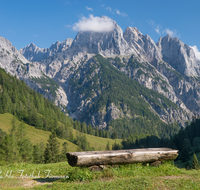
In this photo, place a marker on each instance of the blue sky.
(44, 22)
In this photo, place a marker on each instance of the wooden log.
(147, 155)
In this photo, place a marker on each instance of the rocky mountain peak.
(9, 51)
(144, 46)
(32, 45)
(6, 44)
(61, 46)
(132, 33)
(179, 55)
(107, 43)
(34, 53)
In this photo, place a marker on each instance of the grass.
(34, 135)
(98, 143)
(131, 176)
(37, 135)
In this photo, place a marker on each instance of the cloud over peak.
(170, 32)
(95, 24)
(196, 51)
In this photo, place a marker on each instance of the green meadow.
(132, 176)
(37, 135)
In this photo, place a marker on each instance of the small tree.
(186, 150)
(116, 146)
(196, 143)
(36, 154)
(108, 146)
(64, 151)
(51, 152)
(195, 163)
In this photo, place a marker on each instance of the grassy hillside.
(99, 143)
(37, 135)
(132, 176)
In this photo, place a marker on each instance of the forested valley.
(33, 109)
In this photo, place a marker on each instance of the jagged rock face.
(34, 53)
(140, 59)
(144, 46)
(106, 43)
(179, 55)
(16, 64)
(103, 117)
(186, 89)
(147, 75)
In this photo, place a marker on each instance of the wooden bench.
(117, 157)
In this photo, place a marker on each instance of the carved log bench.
(117, 157)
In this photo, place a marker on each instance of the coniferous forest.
(33, 109)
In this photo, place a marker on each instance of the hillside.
(33, 134)
(37, 135)
(122, 82)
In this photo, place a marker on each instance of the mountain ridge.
(135, 55)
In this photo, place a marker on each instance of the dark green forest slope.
(127, 94)
(32, 108)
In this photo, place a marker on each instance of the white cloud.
(153, 25)
(109, 9)
(196, 51)
(151, 22)
(89, 8)
(170, 32)
(95, 24)
(119, 13)
(68, 26)
(157, 29)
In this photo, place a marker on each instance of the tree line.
(187, 141)
(32, 108)
(16, 147)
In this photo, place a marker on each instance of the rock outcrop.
(34, 53)
(144, 46)
(168, 67)
(179, 55)
(16, 64)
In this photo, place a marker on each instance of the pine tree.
(123, 136)
(2, 135)
(195, 163)
(51, 152)
(84, 127)
(186, 150)
(114, 135)
(196, 143)
(107, 134)
(108, 146)
(36, 154)
(25, 150)
(6, 150)
(47, 154)
(64, 151)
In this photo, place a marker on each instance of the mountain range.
(114, 80)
